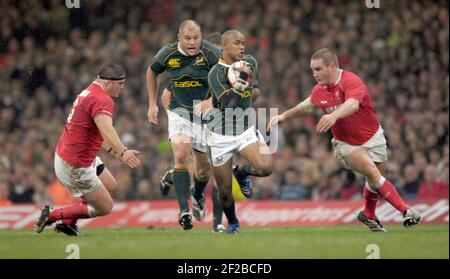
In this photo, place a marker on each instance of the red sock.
(370, 204)
(388, 191)
(74, 211)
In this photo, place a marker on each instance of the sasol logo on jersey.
(174, 63)
(246, 94)
(188, 83)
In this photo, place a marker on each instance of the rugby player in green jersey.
(166, 181)
(188, 63)
(232, 129)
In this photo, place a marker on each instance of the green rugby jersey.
(241, 118)
(188, 74)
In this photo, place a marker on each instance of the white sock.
(371, 188)
(91, 211)
(381, 182)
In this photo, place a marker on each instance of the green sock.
(230, 212)
(217, 209)
(199, 187)
(182, 183)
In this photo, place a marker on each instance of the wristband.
(123, 151)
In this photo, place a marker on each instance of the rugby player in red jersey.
(358, 138)
(88, 128)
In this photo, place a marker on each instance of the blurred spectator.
(46, 61)
(266, 188)
(4, 194)
(328, 189)
(412, 182)
(145, 191)
(352, 188)
(431, 187)
(58, 194)
(292, 188)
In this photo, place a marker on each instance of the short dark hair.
(214, 38)
(328, 55)
(228, 34)
(111, 71)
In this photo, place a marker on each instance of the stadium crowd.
(49, 53)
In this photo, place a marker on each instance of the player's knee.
(105, 208)
(265, 167)
(202, 174)
(182, 161)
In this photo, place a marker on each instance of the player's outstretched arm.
(108, 147)
(152, 113)
(327, 121)
(304, 108)
(128, 156)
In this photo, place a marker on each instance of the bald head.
(189, 25)
(230, 35)
(189, 37)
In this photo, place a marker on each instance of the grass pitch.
(424, 241)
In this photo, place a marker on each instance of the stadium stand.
(48, 53)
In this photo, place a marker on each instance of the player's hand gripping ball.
(240, 75)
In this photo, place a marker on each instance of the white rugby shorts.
(375, 146)
(180, 125)
(79, 181)
(223, 147)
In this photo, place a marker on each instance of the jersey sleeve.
(313, 97)
(217, 82)
(101, 106)
(353, 87)
(169, 86)
(254, 65)
(158, 64)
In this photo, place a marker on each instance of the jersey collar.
(99, 85)
(180, 50)
(184, 53)
(339, 77)
(223, 63)
(337, 81)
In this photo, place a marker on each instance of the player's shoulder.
(97, 93)
(215, 69)
(350, 77)
(317, 89)
(93, 90)
(317, 93)
(217, 73)
(167, 50)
